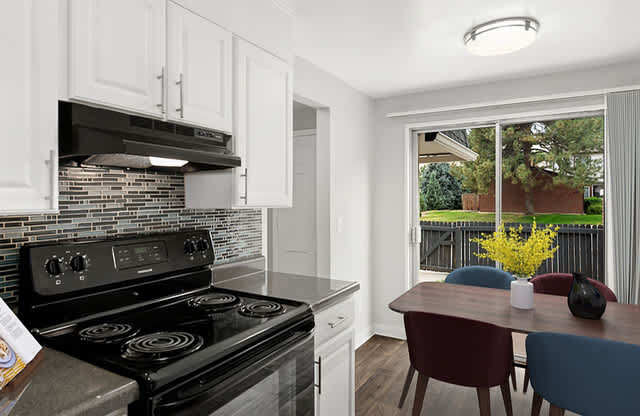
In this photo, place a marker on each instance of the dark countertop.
(316, 291)
(63, 385)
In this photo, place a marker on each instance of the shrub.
(594, 208)
(593, 205)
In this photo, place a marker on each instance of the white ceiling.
(391, 47)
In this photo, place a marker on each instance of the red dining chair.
(462, 352)
(559, 284)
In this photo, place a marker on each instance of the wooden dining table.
(550, 313)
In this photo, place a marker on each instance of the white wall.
(389, 196)
(351, 163)
(304, 117)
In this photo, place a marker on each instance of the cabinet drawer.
(333, 320)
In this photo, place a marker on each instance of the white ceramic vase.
(521, 294)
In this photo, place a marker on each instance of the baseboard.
(363, 336)
(391, 331)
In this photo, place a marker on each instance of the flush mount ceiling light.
(501, 36)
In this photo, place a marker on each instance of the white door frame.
(324, 184)
(411, 218)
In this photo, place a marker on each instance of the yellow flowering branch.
(519, 256)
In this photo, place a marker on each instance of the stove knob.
(203, 245)
(78, 263)
(53, 266)
(189, 247)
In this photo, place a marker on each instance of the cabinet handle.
(161, 78)
(244, 175)
(319, 385)
(53, 174)
(337, 322)
(181, 84)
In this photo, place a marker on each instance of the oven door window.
(278, 383)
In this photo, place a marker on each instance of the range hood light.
(171, 163)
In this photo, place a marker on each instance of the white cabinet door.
(199, 62)
(263, 127)
(117, 54)
(336, 376)
(29, 107)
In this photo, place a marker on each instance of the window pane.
(456, 175)
(553, 173)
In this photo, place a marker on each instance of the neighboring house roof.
(448, 146)
(458, 135)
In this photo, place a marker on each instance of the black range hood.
(98, 137)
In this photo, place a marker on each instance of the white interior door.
(29, 108)
(200, 65)
(294, 229)
(263, 127)
(116, 53)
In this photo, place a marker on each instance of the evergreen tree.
(439, 188)
(564, 147)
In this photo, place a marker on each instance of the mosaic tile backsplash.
(103, 202)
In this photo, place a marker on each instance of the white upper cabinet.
(199, 70)
(29, 107)
(264, 23)
(263, 127)
(116, 53)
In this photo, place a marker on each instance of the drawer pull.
(336, 322)
(319, 385)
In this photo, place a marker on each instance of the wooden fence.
(447, 245)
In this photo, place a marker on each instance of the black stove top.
(156, 344)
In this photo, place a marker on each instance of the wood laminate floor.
(381, 367)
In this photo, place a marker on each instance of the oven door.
(277, 380)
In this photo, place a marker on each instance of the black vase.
(585, 300)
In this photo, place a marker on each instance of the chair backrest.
(559, 284)
(459, 351)
(483, 276)
(587, 376)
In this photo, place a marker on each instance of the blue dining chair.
(585, 375)
(483, 276)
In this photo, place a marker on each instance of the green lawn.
(471, 216)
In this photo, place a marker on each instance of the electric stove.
(144, 307)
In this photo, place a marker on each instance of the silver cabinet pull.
(337, 322)
(181, 84)
(53, 177)
(244, 175)
(319, 385)
(161, 78)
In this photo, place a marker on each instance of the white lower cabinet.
(335, 361)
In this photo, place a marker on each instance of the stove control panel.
(139, 255)
(64, 267)
(196, 247)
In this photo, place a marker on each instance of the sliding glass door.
(548, 170)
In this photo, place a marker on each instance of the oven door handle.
(281, 349)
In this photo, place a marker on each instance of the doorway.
(293, 231)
